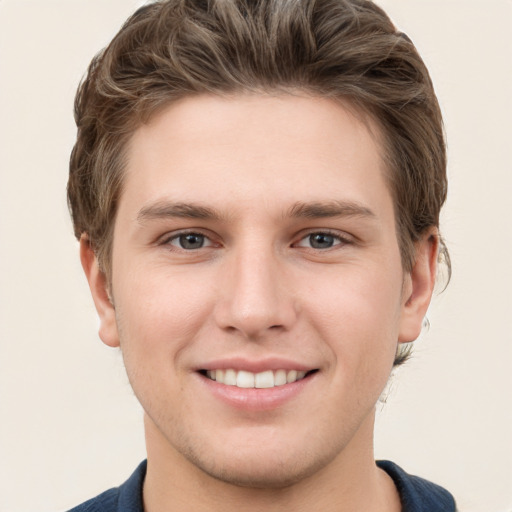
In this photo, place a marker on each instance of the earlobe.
(419, 286)
(100, 294)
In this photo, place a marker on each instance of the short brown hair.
(342, 49)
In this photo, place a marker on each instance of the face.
(257, 287)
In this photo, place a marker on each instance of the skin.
(260, 176)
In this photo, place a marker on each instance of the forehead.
(234, 152)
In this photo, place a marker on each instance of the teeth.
(280, 378)
(291, 376)
(229, 377)
(266, 379)
(245, 380)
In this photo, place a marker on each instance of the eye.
(190, 241)
(321, 240)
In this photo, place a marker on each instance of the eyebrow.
(299, 210)
(164, 209)
(317, 210)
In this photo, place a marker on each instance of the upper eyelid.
(341, 235)
(168, 242)
(172, 235)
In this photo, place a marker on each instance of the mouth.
(261, 380)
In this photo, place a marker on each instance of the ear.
(100, 294)
(419, 286)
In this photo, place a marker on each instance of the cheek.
(158, 312)
(358, 315)
(363, 299)
(158, 320)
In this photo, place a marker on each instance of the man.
(256, 189)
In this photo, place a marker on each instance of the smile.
(245, 379)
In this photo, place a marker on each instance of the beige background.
(69, 425)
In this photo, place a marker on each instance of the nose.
(256, 295)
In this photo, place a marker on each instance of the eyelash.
(339, 240)
(176, 236)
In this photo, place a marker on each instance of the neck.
(350, 482)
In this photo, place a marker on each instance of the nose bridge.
(255, 298)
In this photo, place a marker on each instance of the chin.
(265, 468)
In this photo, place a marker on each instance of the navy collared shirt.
(416, 494)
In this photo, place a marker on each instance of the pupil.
(191, 241)
(321, 241)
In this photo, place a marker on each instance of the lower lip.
(257, 399)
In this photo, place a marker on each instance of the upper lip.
(255, 365)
